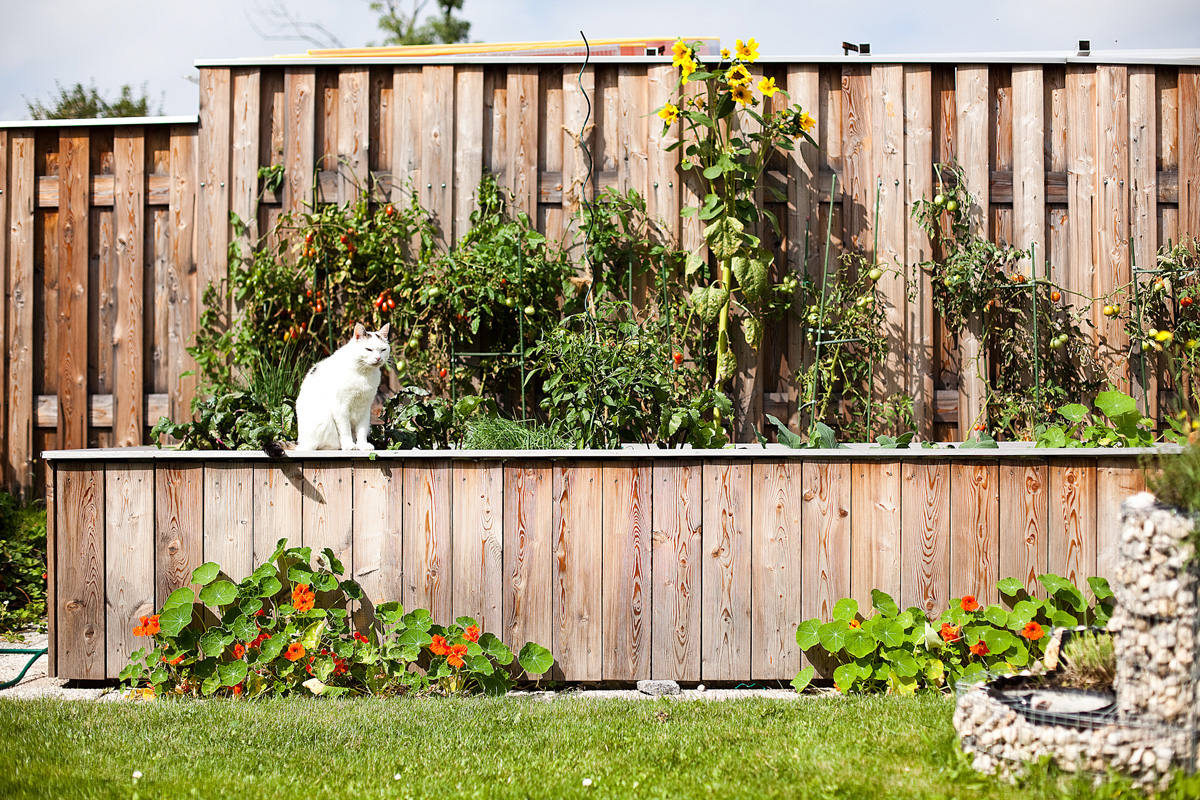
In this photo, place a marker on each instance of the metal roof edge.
(100, 122)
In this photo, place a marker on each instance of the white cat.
(333, 409)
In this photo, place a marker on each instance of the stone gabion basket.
(1152, 731)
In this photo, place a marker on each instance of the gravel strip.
(35, 683)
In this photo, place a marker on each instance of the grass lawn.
(438, 748)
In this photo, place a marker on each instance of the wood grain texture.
(887, 117)
(1189, 150)
(182, 301)
(1029, 161)
(246, 145)
(128, 557)
(1116, 481)
(18, 467)
(803, 222)
(662, 190)
(576, 136)
(79, 563)
(278, 503)
(354, 140)
(52, 570)
(408, 90)
(329, 509)
(627, 581)
(676, 558)
(427, 572)
(5, 181)
(1143, 208)
(975, 530)
(1072, 541)
(858, 190)
(1023, 522)
(300, 88)
(725, 571)
(1112, 214)
(826, 526)
(378, 543)
(521, 137)
(213, 154)
(1081, 183)
(468, 145)
(437, 146)
(72, 268)
(478, 542)
(925, 536)
(874, 530)
(777, 573)
(179, 526)
(972, 101)
(528, 554)
(918, 183)
(228, 512)
(129, 369)
(579, 563)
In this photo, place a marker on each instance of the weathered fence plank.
(874, 530)
(578, 556)
(676, 559)
(377, 537)
(179, 526)
(427, 544)
(72, 324)
(20, 352)
(1072, 541)
(925, 536)
(975, 531)
(529, 556)
(128, 558)
(278, 503)
(1023, 522)
(228, 515)
(777, 574)
(627, 614)
(826, 533)
(477, 531)
(725, 571)
(80, 627)
(129, 376)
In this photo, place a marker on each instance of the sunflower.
(680, 53)
(724, 53)
(747, 51)
(742, 94)
(686, 69)
(767, 87)
(806, 122)
(737, 76)
(668, 114)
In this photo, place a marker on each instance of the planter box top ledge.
(1006, 450)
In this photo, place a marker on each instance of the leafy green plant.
(726, 144)
(607, 381)
(413, 418)
(270, 635)
(231, 420)
(22, 563)
(903, 652)
(487, 432)
(1118, 424)
(1176, 482)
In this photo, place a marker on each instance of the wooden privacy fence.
(628, 565)
(114, 229)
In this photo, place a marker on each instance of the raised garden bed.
(691, 565)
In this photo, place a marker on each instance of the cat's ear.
(359, 330)
(383, 332)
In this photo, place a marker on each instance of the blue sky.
(155, 42)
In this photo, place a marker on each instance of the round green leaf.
(221, 593)
(174, 619)
(859, 643)
(180, 597)
(806, 633)
(998, 640)
(903, 662)
(269, 587)
(996, 615)
(206, 573)
(535, 659)
(271, 648)
(833, 635)
(1009, 587)
(845, 609)
(883, 603)
(889, 632)
(232, 672)
(803, 678)
(495, 649)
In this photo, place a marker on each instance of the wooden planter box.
(690, 565)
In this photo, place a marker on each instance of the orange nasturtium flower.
(951, 633)
(149, 626)
(855, 623)
(295, 652)
(969, 604)
(668, 114)
(737, 75)
(980, 649)
(358, 637)
(1033, 631)
(471, 634)
(742, 94)
(767, 87)
(239, 650)
(438, 647)
(748, 50)
(456, 656)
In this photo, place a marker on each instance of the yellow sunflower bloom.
(747, 51)
(737, 75)
(724, 53)
(668, 114)
(680, 53)
(807, 123)
(742, 94)
(767, 87)
(687, 68)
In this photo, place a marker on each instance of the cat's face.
(371, 348)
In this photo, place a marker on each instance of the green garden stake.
(1037, 399)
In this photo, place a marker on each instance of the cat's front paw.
(347, 444)
(364, 446)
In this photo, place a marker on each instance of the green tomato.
(435, 293)
(401, 367)
(414, 342)
(939, 200)
(875, 274)
(530, 311)
(952, 206)
(510, 301)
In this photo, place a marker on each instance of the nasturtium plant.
(294, 625)
(903, 652)
(1118, 423)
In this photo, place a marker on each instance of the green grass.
(501, 748)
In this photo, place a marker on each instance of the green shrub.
(1177, 481)
(902, 652)
(22, 563)
(270, 634)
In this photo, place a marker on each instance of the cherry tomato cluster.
(316, 300)
(295, 331)
(385, 301)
